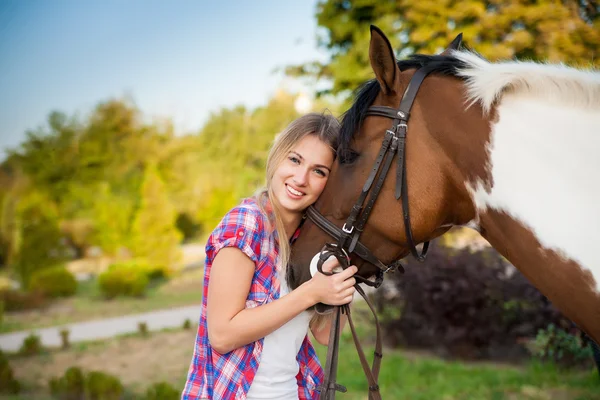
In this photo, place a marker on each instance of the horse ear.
(454, 45)
(383, 60)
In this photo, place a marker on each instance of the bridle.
(348, 236)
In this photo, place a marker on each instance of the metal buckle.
(346, 229)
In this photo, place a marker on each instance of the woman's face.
(302, 175)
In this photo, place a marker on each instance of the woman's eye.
(347, 156)
(320, 172)
(293, 159)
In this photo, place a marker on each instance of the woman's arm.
(231, 325)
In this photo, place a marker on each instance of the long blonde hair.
(323, 125)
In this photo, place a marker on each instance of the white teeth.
(294, 191)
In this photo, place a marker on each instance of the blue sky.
(177, 59)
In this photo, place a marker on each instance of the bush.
(53, 282)
(152, 271)
(8, 383)
(123, 282)
(470, 305)
(564, 348)
(31, 345)
(101, 386)
(17, 300)
(71, 386)
(162, 391)
(187, 324)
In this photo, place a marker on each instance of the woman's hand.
(336, 289)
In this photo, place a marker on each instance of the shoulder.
(245, 227)
(247, 215)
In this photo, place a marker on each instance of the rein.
(348, 236)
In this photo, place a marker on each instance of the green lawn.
(408, 376)
(88, 304)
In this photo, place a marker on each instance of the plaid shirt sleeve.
(243, 228)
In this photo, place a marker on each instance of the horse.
(509, 149)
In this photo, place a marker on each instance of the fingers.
(348, 272)
(330, 264)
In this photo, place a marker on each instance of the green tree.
(153, 233)
(545, 30)
(40, 244)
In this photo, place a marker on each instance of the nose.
(301, 177)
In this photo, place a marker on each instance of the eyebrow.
(316, 165)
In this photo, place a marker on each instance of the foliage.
(187, 324)
(40, 237)
(18, 300)
(70, 386)
(129, 187)
(32, 345)
(153, 234)
(53, 282)
(162, 391)
(546, 30)
(150, 270)
(102, 386)
(561, 346)
(8, 383)
(123, 282)
(471, 305)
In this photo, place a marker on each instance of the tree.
(153, 233)
(545, 30)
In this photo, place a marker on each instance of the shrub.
(152, 271)
(123, 282)
(560, 346)
(17, 300)
(471, 305)
(31, 345)
(101, 386)
(162, 391)
(8, 383)
(53, 282)
(71, 386)
(187, 324)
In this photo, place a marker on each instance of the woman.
(252, 340)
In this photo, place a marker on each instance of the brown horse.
(509, 149)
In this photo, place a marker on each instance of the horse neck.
(537, 203)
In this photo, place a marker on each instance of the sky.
(176, 59)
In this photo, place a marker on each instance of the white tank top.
(278, 367)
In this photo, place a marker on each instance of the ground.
(141, 361)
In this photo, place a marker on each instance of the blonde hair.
(324, 126)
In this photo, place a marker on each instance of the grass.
(405, 376)
(421, 376)
(88, 304)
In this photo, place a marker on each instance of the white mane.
(486, 81)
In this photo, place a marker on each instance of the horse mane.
(486, 82)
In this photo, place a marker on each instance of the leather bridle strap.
(332, 230)
(330, 386)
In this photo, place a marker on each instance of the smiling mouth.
(294, 191)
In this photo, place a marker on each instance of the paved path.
(104, 328)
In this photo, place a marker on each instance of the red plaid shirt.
(228, 376)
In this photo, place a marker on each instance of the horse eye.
(347, 156)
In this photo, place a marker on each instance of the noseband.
(348, 236)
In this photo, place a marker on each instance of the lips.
(294, 191)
